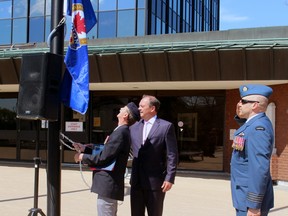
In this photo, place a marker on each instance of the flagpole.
(53, 144)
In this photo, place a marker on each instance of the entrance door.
(199, 122)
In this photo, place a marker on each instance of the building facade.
(195, 76)
(25, 22)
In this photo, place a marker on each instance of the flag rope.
(63, 136)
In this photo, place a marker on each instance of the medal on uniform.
(238, 142)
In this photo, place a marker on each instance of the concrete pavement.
(194, 193)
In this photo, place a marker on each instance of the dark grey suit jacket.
(156, 160)
(111, 183)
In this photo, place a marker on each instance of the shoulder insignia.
(260, 128)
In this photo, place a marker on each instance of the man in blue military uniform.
(251, 183)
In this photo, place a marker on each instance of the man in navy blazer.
(109, 185)
(251, 183)
(155, 157)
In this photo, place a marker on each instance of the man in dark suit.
(155, 158)
(109, 185)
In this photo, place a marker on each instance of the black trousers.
(142, 198)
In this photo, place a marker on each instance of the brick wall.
(279, 162)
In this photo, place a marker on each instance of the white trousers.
(106, 206)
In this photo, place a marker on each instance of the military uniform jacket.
(251, 182)
(110, 184)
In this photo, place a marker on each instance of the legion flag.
(75, 83)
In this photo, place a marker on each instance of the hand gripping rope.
(62, 138)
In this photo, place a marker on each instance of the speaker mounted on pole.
(40, 77)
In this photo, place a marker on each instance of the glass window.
(174, 20)
(126, 4)
(164, 12)
(159, 9)
(20, 8)
(94, 5)
(163, 28)
(158, 26)
(19, 31)
(178, 23)
(141, 3)
(5, 33)
(47, 27)
(36, 31)
(199, 135)
(174, 5)
(92, 33)
(141, 23)
(170, 18)
(187, 12)
(68, 26)
(48, 7)
(126, 23)
(5, 9)
(153, 7)
(107, 24)
(200, 7)
(187, 28)
(153, 24)
(36, 8)
(107, 5)
(8, 114)
(191, 15)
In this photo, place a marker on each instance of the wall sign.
(74, 126)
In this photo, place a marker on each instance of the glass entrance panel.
(198, 122)
(8, 134)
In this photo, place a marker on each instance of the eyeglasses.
(243, 101)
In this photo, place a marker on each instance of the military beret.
(255, 89)
(134, 110)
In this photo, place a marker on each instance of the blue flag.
(75, 83)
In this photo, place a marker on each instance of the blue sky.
(235, 14)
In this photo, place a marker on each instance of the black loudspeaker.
(40, 77)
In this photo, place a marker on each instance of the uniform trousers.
(106, 206)
(151, 199)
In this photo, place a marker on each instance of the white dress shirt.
(147, 127)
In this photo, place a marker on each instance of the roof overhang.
(189, 61)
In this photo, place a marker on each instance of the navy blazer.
(156, 160)
(251, 182)
(110, 184)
